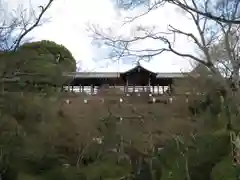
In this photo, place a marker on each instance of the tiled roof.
(93, 74)
(116, 75)
(171, 75)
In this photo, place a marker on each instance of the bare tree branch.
(207, 14)
(28, 30)
(150, 9)
(203, 12)
(209, 33)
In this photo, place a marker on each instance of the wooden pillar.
(97, 88)
(149, 84)
(92, 89)
(126, 85)
(79, 88)
(158, 89)
(171, 89)
(82, 88)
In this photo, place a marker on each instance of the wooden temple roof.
(136, 75)
(136, 69)
(117, 75)
(93, 74)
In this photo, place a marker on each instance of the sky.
(67, 22)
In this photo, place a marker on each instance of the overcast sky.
(67, 26)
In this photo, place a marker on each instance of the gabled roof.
(139, 67)
(117, 74)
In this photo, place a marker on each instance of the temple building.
(137, 79)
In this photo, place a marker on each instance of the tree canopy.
(41, 62)
(53, 52)
(47, 60)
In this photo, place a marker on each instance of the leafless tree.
(209, 33)
(17, 24)
(209, 13)
(222, 17)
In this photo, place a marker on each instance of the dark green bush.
(201, 155)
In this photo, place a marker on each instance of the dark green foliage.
(144, 172)
(41, 65)
(40, 164)
(210, 102)
(224, 170)
(36, 159)
(46, 61)
(49, 51)
(106, 169)
(62, 173)
(209, 150)
(201, 156)
(11, 144)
